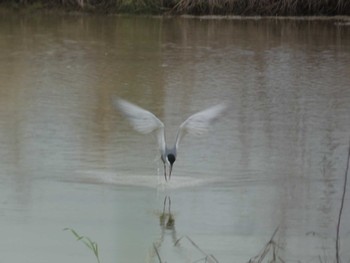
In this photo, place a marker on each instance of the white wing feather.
(199, 123)
(142, 120)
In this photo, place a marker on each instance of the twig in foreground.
(207, 258)
(337, 243)
(156, 250)
(270, 244)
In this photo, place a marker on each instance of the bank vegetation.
(193, 7)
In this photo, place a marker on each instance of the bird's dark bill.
(171, 168)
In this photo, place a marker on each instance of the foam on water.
(137, 180)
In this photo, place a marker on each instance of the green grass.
(87, 241)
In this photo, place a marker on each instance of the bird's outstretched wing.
(199, 123)
(142, 120)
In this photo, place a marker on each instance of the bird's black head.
(171, 158)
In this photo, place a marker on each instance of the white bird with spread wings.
(145, 122)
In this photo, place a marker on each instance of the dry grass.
(200, 7)
(263, 7)
(269, 252)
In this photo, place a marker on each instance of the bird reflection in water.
(167, 224)
(167, 220)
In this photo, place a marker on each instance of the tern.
(146, 122)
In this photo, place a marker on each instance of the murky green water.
(68, 159)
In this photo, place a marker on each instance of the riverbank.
(191, 7)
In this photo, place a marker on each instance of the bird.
(144, 121)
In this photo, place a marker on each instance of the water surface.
(68, 159)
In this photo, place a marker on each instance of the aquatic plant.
(87, 241)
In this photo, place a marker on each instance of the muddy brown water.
(68, 159)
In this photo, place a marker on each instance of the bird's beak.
(171, 168)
